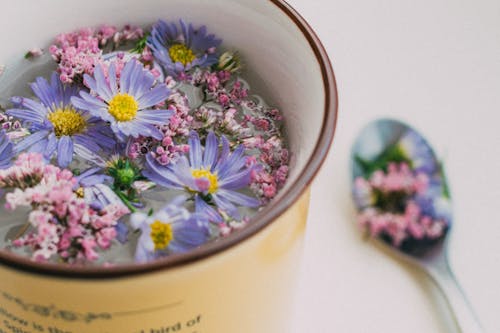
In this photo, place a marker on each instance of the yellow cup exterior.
(247, 288)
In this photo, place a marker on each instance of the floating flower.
(127, 104)
(6, 151)
(172, 229)
(212, 176)
(180, 50)
(57, 125)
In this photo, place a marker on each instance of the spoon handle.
(462, 310)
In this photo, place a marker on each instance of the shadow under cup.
(242, 283)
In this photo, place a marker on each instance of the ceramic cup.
(240, 284)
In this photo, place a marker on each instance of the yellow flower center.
(161, 234)
(80, 192)
(66, 122)
(181, 53)
(212, 178)
(123, 107)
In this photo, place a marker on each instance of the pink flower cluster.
(400, 227)
(399, 178)
(27, 171)
(61, 222)
(78, 52)
(389, 205)
(167, 149)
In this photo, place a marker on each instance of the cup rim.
(259, 221)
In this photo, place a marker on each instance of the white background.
(436, 65)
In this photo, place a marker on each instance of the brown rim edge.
(261, 220)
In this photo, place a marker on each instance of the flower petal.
(89, 81)
(233, 163)
(30, 140)
(237, 180)
(204, 209)
(87, 142)
(154, 96)
(93, 105)
(101, 139)
(195, 153)
(160, 174)
(239, 198)
(143, 128)
(125, 77)
(141, 80)
(112, 79)
(226, 205)
(211, 150)
(51, 146)
(27, 115)
(43, 91)
(102, 86)
(187, 237)
(157, 117)
(64, 151)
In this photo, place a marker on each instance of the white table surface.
(435, 64)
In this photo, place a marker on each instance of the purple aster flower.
(179, 50)
(126, 103)
(172, 229)
(6, 151)
(57, 125)
(212, 176)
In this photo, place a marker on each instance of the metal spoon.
(385, 141)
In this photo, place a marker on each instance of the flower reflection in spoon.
(402, 197)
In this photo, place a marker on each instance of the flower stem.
(125, 201)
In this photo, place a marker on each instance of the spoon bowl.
(403, 200)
